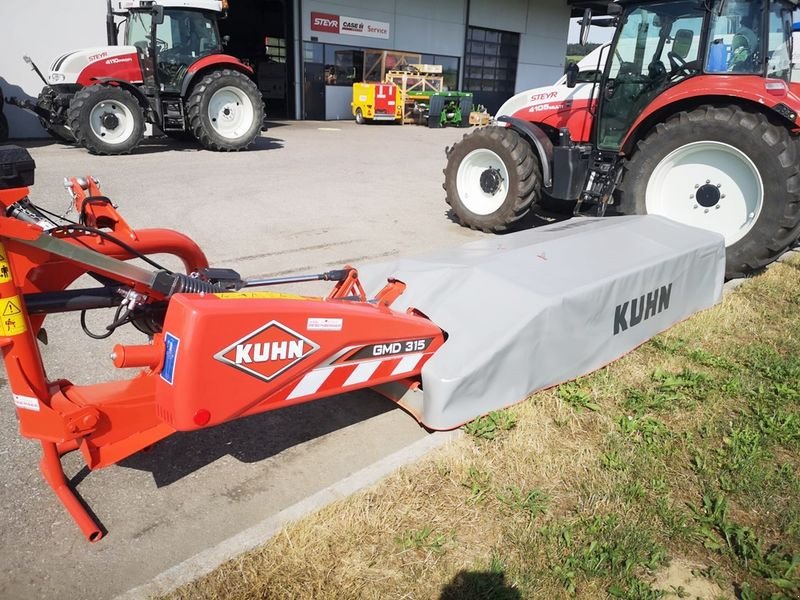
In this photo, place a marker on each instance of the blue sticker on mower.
(171, 344)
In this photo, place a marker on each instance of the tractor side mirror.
(586, 23)
(226, 39)
(158, 14)
(572, 71)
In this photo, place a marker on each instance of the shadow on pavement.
(163, 144)
(150, 145)
(253, 439)
(474, 585)
(538, 216)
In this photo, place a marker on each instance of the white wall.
(543, 26)
(424, 26)
(439, 27)
(42, 29)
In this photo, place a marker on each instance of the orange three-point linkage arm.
(265, 350)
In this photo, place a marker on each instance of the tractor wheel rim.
(111, 121)
(710, 185)
(230, 112)
(482, 182)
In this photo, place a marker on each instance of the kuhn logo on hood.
(268, 351)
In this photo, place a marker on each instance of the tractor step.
(174, 118)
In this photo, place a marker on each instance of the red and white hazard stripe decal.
(326, 380)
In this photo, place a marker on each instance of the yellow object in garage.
(376, 102)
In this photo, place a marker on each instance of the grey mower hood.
(528, 310)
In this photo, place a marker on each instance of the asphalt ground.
(308, 197)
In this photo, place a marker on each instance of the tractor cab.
(660, 44)
(171, 36)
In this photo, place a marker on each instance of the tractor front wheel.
(225, 111)
(723, 169)
(492, 179)
(106, 119)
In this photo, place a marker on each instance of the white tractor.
(169, 71)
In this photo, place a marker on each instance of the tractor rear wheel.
(724, 169)
(225, 111)
(106, 119)
(492, 179)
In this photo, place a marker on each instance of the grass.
(672, 473)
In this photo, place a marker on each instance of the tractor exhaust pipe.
(111, 27)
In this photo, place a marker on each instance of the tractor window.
(657, 46)
(137, 30)
(183, 37)
(779, 43)
(736, 38)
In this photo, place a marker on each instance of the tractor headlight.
(57, 77)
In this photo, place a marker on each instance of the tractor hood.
(589, 66)
(89, 64)
(529, 310)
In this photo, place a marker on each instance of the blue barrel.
(717, 57)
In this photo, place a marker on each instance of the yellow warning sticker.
(12, 321)
(261, 295)
(5, 270)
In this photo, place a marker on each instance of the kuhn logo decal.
(641, 308)
(268, 351)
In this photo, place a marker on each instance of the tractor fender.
(538, 140)
(127, 85)
(213, 61)
(717, 89)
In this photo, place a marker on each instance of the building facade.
(308, 53)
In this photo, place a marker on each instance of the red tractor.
(170, 72)
(691, 116)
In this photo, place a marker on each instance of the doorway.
(260, 34)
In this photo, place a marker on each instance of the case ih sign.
(342, 25)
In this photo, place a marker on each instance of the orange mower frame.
(266, 350)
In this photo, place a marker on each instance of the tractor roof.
(212, 5)
(600, 7)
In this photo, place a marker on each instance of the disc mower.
(478, 327)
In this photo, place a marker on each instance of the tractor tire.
(492, 179)
(435, 109)
(360, 117)
(106, 119)
(3, 128)
(465, 105)
(225, 111)
(724, 169)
